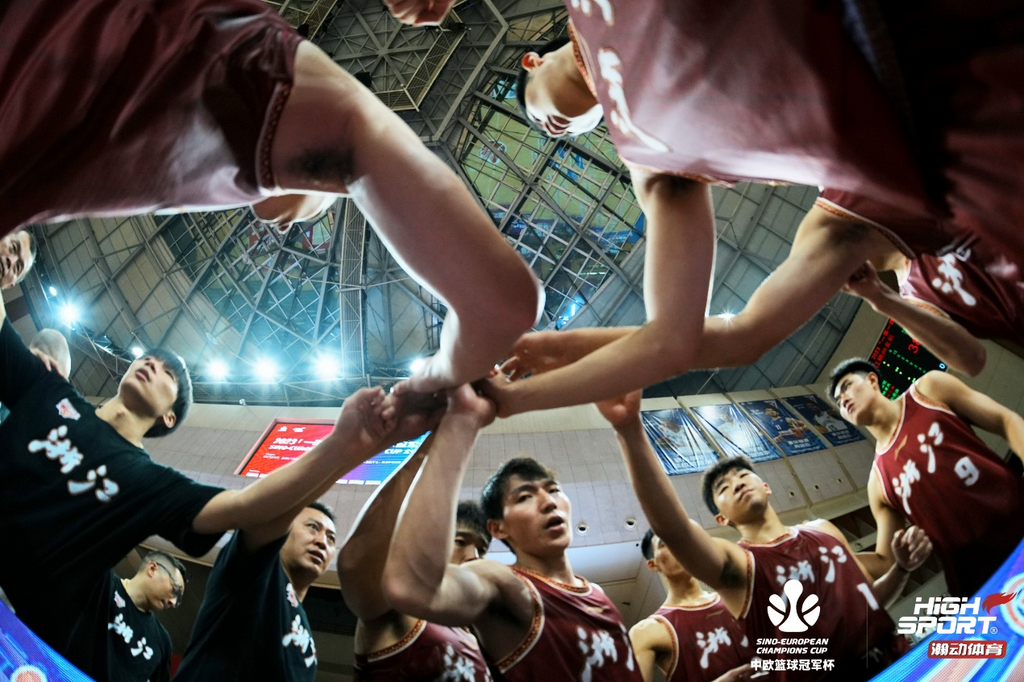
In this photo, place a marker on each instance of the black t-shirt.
(75, 497)
(251, 626)
(114, 640)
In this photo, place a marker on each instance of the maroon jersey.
(859, 632)
(938, 473)
(779, 108)
(113, 107)
(975, 288)
(577, 635)
(707, 641)
(427, 653)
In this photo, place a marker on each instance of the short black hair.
(160, 557)
(849, 366)
(184, 400)
(647, 544)
(715, 472)
(523, 76)
(470, 515)
(492, 498)
(323, 509)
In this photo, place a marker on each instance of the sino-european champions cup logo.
(789, 614)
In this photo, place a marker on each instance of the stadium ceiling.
(220, 287)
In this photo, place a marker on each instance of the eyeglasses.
(179, 589)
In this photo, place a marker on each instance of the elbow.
(402, 595)
(975, 360)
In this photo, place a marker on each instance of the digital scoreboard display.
(286, 441)
(901, 360)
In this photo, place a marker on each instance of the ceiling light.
(68, 314)
(218, 370)
(727, 316)
(328, 367)
(136, 352)
(417, 364)
(266, 370)
(53, 291)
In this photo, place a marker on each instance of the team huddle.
(916, 136)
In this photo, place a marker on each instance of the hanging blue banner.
(677, 441)
(734, 433)
(825, 419)
(787, 430)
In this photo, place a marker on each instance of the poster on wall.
(787, 430)
(679, 444)
(825, 419)
(734, 433)
(286, 441)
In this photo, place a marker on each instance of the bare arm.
(716, 562)
(265, 509)
(974, 407)
(826, 251)
(949, 340)
(649, 639)
(364, 553)
(680, 253)
(418, 580)
(887, 522)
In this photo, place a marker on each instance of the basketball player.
(535, 620)
(389, 646)
(692, 637)
(814, 558)
(114, 108)
(932, 470)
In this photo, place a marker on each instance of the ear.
(169, 419)
(722, 521)
(496, 527)
(531, 60)
(651, 567)
(873, 379)
(767, 488)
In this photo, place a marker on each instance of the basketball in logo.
(28, 673)
(789, 614)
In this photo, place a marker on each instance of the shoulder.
(827, 527)
(649, 632)
(939, 386)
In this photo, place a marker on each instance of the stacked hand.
(866, 283)
(911, 548)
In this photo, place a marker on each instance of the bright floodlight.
(218, 370)
(328, 367)
(53, 291)
(417, 364)
(727, 316)
(69, 314)
(266, 370)
(136, 352)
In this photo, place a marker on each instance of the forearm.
(669, 520)
(947, 339)
(890, 586)
(419, 552)
(874, 563)
(364, 553)
(642, 357)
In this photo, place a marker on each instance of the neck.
(884, 416)
(763, 529)
(583, 100)
(130, 425)
(135, 593)
(556, 568)
(300, 581)
(686, 592)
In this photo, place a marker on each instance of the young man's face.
(854, 394)
(771, 412)
(551, 101)
(15, 258)
(665, 562)
(741, 496)
(537, 517)
(311, 544)
(150, 387)
(164, 587)
(468, 546)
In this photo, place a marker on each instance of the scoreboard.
(901, 360)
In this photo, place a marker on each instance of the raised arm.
(264, 510)
(949, 340)
(720, 564)
(827, 249)
(418, 580)
(680, 254)
(975, 408)
(650, 639)
(364, 553)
